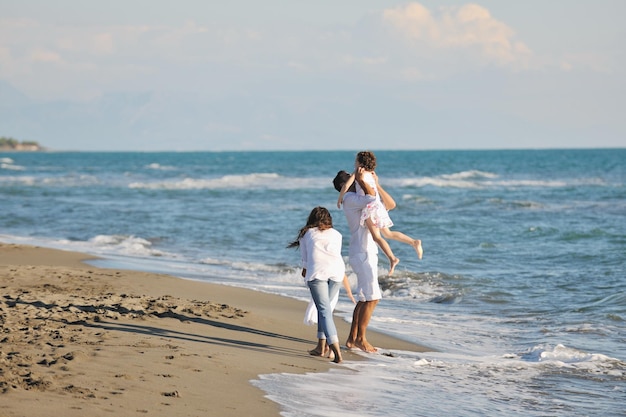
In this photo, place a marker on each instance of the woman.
(323, 270)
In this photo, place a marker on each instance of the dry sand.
(77, 340)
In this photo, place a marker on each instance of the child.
(323, 270)
(375, 215)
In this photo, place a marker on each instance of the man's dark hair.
(340, 179)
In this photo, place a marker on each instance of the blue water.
(521, 293)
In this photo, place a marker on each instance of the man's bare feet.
(365, 346)
(417, 244)
(392, 266)
(315, 352)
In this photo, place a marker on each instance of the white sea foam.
(10, 166)
(563, 355)
(127, 245)
(256, 180)
(401, 383)
(474, 179)
(159, 167)
(62, 181)
(471, 174)
(108, 245)
(20, 181)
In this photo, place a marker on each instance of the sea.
(520, 296)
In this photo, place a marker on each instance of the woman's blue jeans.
(322, 292)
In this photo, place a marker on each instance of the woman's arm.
(304, 254)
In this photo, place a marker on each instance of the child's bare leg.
(384, 246)
(401, 237)
(417, 245)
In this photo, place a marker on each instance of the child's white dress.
(376, 209)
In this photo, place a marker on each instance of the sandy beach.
(76, 339)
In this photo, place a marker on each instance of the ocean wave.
(471, 174)
(438, 182)
(254, 180)
(480, 180)
(517, 204)
(120, 245)
(19, 181)
(126, 245)
(159, 167)
(564, 355)
(617, 300)
(248, 266)
(63, 181)
(421, 287)
(10, 166)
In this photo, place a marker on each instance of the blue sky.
(249, 75)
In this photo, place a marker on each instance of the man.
(363, 256)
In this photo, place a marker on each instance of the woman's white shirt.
(321, 255)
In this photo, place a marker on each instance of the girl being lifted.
(375, 215)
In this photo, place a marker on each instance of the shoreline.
(76, 337)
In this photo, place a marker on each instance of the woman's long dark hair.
(320, 217)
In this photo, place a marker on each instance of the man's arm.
(387, 199)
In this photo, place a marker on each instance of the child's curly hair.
(367, 160)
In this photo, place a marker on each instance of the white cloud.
(45, 56)
(410, 43)
(102, 43)
(407, 43)
(469, 30)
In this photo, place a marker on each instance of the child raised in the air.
(375, 215)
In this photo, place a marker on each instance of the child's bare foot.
(417, 244)
(392, 265)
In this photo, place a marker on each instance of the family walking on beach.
(365, 205)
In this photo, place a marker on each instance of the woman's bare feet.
(315, 352)
(336, 353)
(392, 265)
(321, 349)
(417, 244)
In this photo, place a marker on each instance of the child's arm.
(346, 286)
(344, 190)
